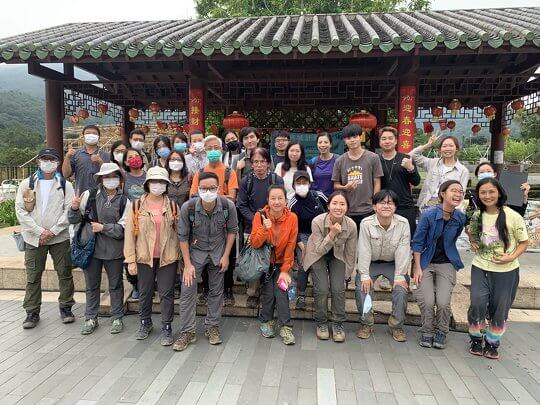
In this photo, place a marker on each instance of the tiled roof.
(307, 33)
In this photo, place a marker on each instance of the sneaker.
(202, 299)
(229, 299)
(287, 335)
(384, 284)
(89, 326)
(301, 302)
(32, 319)
(252, 302)
(166, 335)
(322, 332)
(491, 352)
(399, 335)
(117, 326)
(144, 330)
(184, 341)
(364, 331)
(426, 341)
(477, 347)
(135, 295)
(439, 341)
(66, 315)
(338, 333)
(213, 335)
(268, 329)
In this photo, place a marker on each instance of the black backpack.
(273, 180)
(32, 181)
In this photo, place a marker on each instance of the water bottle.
(291, 292)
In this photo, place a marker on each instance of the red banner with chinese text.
(196, 109)
(406, 116)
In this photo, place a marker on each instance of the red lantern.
(83, 114)
(437, 112)
(518, 105)
(213, 129)
(428, 127)
(366, 120)
(74, 119)
(102, 109)
(451, 125)
(490, 112)
(235, 121)
(161, 125)
(455, 106)
(476, 128)
(154, 108)
(133, 114)
(506, 131)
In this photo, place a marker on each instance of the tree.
(530, 126)
(238, 8)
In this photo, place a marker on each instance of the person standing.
(178, 188)
(295, 159)
(118, 150)
(233, 149)
(281, 141)
(498, 237)
(85, 162)
(137, 140)
(162, 150)
(250, 140)
(207, 230)
(358, 172)
(196, 159)
(322, 166)
(41, 206)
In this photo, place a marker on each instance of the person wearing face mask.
(105, 210)
(233, 147)
(118, 150)
(135, 174)
(196, 159)
(85, 162)
(137, 140)
(180, 143)
(41, 206)
(207, 230)
(306, 204)
(151, 251)
(178, 188)
(162, 150)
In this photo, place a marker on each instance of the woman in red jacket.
(278, 227)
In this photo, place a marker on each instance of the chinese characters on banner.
(406, 116)
(196, 109)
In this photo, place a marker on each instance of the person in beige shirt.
(384, 242)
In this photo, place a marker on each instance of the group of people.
(178, 216)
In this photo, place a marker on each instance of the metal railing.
(16, 172)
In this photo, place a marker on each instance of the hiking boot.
(322, 332)
(66, 315)
(252, 302)
(364, 331)
(287, 335)
(213, 335)
(426, 341)
(117, 326)
(166, 335)
(338, 333)
(229, 300)
(476, 346)
(268, 329)
(384, 284)
(89, 326)
(144, 329)
(135, 295)
(491, 351)
(184, 340)
(301, 302)
(398, 335)
(202, 299)
(439, 341)
(32, 319)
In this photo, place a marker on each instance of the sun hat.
(108, 168)
(157, 173)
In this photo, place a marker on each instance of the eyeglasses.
(387, 203)
(212, 189)
(258, 162)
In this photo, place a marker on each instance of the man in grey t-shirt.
(358, 173)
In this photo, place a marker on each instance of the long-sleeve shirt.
(389, 245)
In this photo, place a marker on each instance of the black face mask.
(233, 145)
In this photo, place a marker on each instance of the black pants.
(273, 297)
(133, 280)
(92, 277)
(359, 217)
(229, 274)
(165, 283)
(410, 215)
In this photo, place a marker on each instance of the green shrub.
(7, 213)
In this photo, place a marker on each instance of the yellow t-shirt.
(490, 244)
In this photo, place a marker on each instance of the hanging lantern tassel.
(506, 132)
(475, 129)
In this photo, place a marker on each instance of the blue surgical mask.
(180, 146)
(164, 152)
(486, 175)
(213, 155)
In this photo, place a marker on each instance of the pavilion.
(292, 71)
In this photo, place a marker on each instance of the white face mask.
(208, 196)
(91, 139)
(157, 188)
(198, 146)
(176, 165)
(111, 183)
(48, 166)
(486, 175)
(137, 145)
(118, 156)
(302, 190)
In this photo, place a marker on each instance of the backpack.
(191, 208)
(29, 196)
(81, 253)
(33, 177)
(137, 206)
(273, 180)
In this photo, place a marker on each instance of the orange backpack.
(136, 207)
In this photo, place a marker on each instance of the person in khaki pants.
(41, 205)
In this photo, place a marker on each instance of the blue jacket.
(430, 227)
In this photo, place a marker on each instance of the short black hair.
(184, 170)
(115, 145)
(276, 187)
(248, 130)
(208, 175)
(383, 195)
(262, 152)
(283, 134)
(483, 164)
(124, 161)
(91, 126)
(324, 133)
(351, 130)
(165, 139)
(181, 136)
(137, 131)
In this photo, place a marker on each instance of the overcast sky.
(21, 16)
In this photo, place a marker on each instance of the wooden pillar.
(406, 114)
(127, 124)
(54, 115)
(497, 138)
(196, 104)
